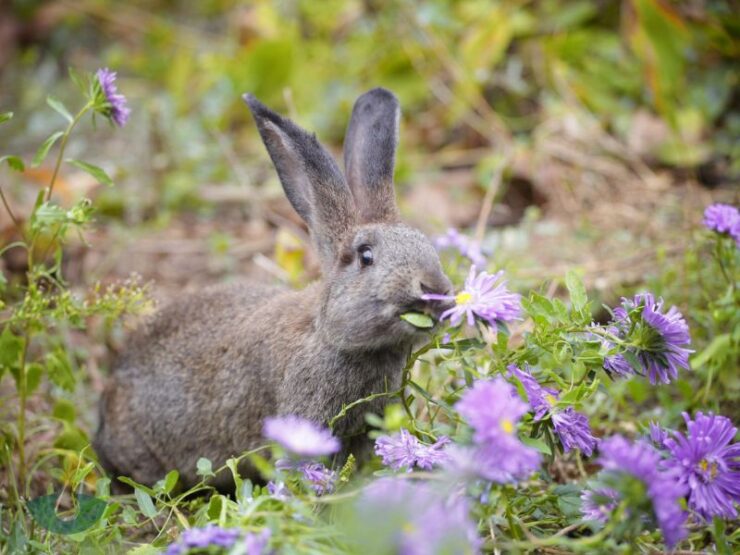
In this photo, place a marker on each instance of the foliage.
(499, 70)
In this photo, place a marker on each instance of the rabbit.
(198, 379)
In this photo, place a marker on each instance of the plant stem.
(22, 396)
(63, 145)
(17, 224)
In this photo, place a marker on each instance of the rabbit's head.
(375, 268)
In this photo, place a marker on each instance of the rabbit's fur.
(200, 377)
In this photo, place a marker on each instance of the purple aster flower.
(574, 430)
(493, 409)
(256, 544)
(658, 435)
(319, 478)
(724, 219)
(424, 521)
(278, 490)
(300, 436)
(708, 463)
(456, 240)
(202, 538)
(404, 450)
(540, 398)
(640, 461)
(572, 427)
(659, 339)
(617, 364)
(116, 108)
(599, 503)
(484, 296)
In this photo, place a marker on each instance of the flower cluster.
(484, 296)
(625, 463)
(571, 426)
(226, 538)
(304, 440)
(113, 103)
(416, 519)
(656, 340)
(469, 249)
(708, 464)
(403, 450)
(493, 409)
(723, 219)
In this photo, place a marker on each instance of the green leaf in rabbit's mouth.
(418, 320)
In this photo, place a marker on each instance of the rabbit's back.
(194, 381)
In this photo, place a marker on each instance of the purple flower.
(572, 427)
(210, 535)
(724, 219)
(493, 409)
(599, 503)
(658, 340)
(574, 430)
(319, 478)
(658, 435)
(403, 450)
(484, 296)
(470, 249)
(540, 398)
(300, 436)
(619, 457)
(278, 490)
(256, 544)
(424, 521)
(115, 108)
(708, 463)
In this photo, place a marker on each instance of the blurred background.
(558, 133)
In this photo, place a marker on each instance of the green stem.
(63, 145)
(22, 397)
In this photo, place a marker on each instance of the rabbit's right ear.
(312, 181)
(370, 154)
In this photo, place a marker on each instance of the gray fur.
(199, 378)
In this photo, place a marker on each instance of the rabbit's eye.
(366, 255)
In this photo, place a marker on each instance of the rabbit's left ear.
(370, 155)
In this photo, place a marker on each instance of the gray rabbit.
(200, 377)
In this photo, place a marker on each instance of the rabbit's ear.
(370, 153)
(311, 179)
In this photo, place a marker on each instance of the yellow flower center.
(507, 426)
(550, 399)
(712, 467)
(463, 298)
(408, 527)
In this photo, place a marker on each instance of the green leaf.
(5, 116)
(97, 172)
(538, 444)
(146, 505)
(60, 370)
(10, 350)
(128, 481)
(577, 290)
(89, 511)
(170, 481)
(60, 108)
(418, 320)
(15, 162)
(204, 467)
(34, 372)
(64, 410)
(44, 149)
(718, 345)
